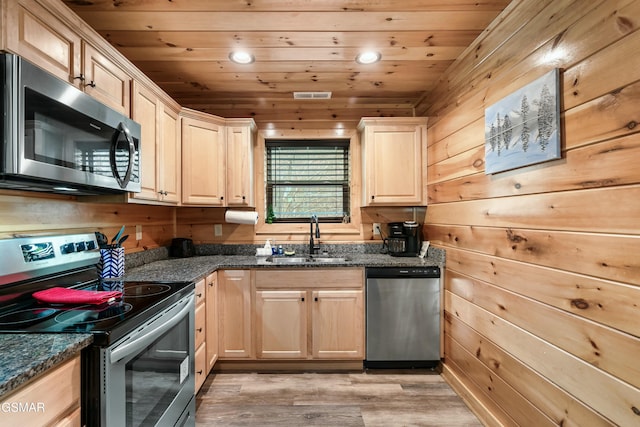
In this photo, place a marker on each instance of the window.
(307, 177)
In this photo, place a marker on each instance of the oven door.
(149, 375)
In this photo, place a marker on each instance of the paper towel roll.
(241, 217)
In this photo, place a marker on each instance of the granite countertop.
(195, 268)
(25, 356)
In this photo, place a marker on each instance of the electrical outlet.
(376, 228)
(217, 229)
(138, 232)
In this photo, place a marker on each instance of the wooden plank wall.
(30, 213)
(543, 276)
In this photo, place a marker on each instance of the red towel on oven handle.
(59, 295)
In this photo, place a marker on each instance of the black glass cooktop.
(107, 322)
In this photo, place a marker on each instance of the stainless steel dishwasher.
(403, 317)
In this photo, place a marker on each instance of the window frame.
(350, 230)
(344, 185)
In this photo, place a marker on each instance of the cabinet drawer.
(48, 408)
(200, 325)
(200, 292)
(335, 278)
(201, 366)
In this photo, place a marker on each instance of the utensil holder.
(111, 264)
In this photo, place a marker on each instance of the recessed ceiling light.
(241, 57)
(368, 57)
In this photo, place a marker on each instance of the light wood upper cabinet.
(146, 112)
(211, 284)
(203, 160)
(235, 314)
(38, 36)
(217, 160)
(170, 152)
(105, 81)
(160, 147)
(239, 166)
(393, 160)
(41, 38)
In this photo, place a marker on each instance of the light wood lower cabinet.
(235, 314)
(309, 314)
(54, 399)
(338, 324)
(211, 283)
(201, 370)
(281, 324)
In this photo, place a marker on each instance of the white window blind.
(308, 177)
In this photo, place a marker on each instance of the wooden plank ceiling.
(299, 45)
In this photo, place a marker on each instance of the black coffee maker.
(404, 238)
(412, 232)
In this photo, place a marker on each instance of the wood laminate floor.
(330, 399)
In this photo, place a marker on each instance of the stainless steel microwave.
(56, 138)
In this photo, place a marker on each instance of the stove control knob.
(68, 248)
(90, 245)
(81, 246)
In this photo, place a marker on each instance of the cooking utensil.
(117, 236)
(102, 240)
(122, 239)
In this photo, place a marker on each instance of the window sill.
(302, 228)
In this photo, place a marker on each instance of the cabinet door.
(212, 319)
(393, 165)
(239, 166)
(338, 324)
(36, 35)
(169, 159)
(203, 162)
(235, 313)
(55, 392)
(281, 324)
(105, 81)
(200, 367)
(145, 112)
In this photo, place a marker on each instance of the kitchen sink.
(288, 260)
(312, 259)
(329, 259)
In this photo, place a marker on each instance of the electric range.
(143, 337)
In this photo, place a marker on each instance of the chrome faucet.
(313, 248)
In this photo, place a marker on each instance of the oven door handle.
(176, 314)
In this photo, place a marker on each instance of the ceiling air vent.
(311, 95)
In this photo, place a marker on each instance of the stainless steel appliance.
(56, 138)
(403, 317)
(139, 371)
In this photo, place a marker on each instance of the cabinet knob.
(373, 197)
(243, 197)
(199, 295)
(91, 83)
(316, 299)
(199, 372)
(302, 299)
(199, 329)
(221, 197)
(80, 77)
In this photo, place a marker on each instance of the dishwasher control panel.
(396, 272)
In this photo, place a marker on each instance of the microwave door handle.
(150, 336)
(122, 129)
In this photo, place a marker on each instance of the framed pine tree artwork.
(524, 127)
